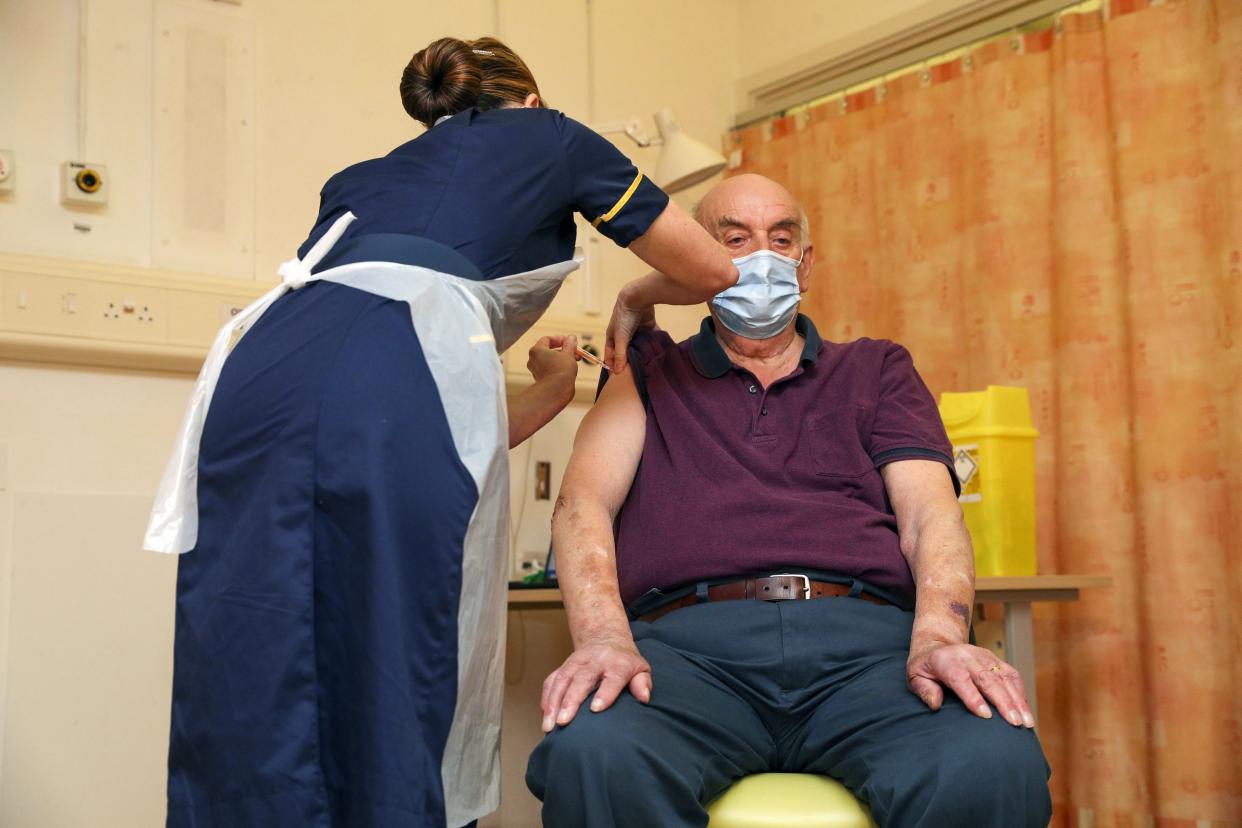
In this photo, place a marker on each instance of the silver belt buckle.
(806, 582)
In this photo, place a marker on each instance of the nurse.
(340, 481)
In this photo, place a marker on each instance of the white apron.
(462, 326)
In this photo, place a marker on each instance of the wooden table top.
(1024, 589)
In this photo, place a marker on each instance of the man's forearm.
(586, 569)
(942, 563)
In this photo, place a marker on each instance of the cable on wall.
(590, 61)
(82, 32)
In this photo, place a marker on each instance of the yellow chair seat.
(788, 800)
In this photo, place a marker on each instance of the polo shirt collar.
(710, 358)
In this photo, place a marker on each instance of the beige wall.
(769, 40)
(85, 618)
(795, 46)
(323, 82)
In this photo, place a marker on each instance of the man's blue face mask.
(765, 298)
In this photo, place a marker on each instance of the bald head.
(753, 203)
(750, 213)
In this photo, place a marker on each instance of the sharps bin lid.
(1000, 411)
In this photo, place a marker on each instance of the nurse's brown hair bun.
(451, 75)
(442, 79)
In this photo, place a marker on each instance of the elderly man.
(758, 537)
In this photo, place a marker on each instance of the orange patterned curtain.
(1063, 210)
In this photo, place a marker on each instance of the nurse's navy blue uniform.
(316, 656)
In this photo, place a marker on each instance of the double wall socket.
(79, 307)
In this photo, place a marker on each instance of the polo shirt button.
(754, 389)
(763, 411)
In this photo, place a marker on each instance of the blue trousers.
(745, 687)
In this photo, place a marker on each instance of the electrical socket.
(543, 480)
(84, 308)
(8, 165)
(83, 184)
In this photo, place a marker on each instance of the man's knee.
(995, 776)
(593, 751)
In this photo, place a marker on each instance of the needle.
(589, 357)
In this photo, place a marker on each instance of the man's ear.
(804, 269)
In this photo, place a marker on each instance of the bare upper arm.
(608, 446)
(918, 490)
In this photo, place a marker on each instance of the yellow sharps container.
(994, 454)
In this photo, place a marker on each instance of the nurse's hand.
(555, 367)
(553, 357)
(612, 665)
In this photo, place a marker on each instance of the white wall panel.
(87, 706)
(39, 97)
(204, 153)
(85, 616)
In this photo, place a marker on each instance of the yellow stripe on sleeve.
(616, 208)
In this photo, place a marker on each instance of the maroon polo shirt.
(735, 479)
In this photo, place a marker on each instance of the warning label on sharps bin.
(966, 464)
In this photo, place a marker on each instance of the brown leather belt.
(772, 588)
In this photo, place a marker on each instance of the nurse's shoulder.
(424, 158)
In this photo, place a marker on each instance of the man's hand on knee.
(973, 673)
(612, 665)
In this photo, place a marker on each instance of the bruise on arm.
(961, 610)
(937, 546)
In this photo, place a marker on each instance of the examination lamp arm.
(633, 128)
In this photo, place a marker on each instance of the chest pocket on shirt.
(836, 440)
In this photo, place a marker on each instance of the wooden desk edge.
(534, 598)
(1001, 590)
